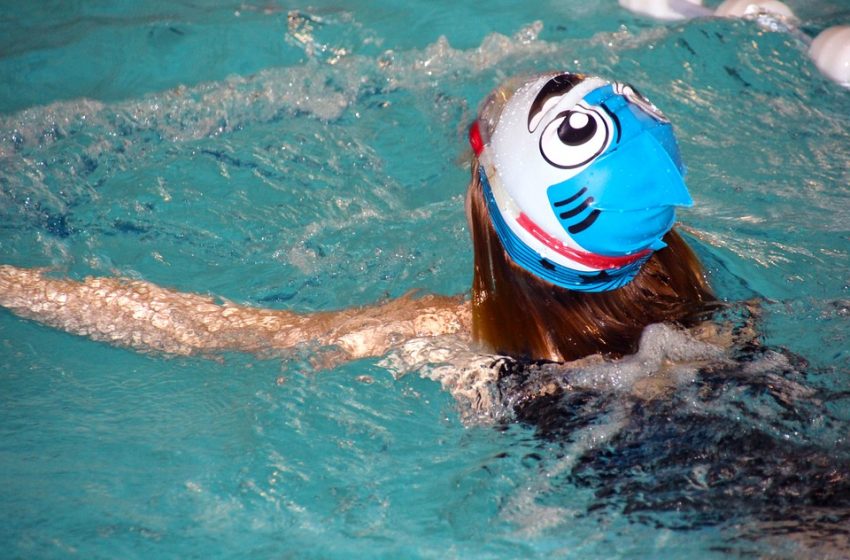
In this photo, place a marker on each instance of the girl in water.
(589, 306)
(570, 206)
(572, 199)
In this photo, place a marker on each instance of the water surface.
(312, 157)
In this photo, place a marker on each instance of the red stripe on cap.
(591, 260)
(475, 139)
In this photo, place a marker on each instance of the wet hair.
(520, 315)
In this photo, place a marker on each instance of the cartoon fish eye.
(635, 97)
(575, 137)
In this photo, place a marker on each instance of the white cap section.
(667, 9)
(518, 174)
(753, 8)
(830, 52)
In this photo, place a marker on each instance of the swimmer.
(590, 319)
(571, 204)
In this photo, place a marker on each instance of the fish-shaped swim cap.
(581, 178)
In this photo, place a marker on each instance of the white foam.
(469, 376)
(668, 357)
(664, 351)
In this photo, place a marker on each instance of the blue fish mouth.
(625, 201)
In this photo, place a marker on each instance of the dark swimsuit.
(757, 429)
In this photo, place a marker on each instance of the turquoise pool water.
(310, 157)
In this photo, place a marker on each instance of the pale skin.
(148, 318)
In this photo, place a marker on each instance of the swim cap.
(581, 177)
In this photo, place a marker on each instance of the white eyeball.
(575, 137)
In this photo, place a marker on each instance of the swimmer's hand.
(148, 318)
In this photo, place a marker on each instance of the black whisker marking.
(585, 223)
(572, 198)
(577, 210)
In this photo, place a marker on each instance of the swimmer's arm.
(148, 318)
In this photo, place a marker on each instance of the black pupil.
(576, 136)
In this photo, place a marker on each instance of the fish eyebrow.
(557, 86)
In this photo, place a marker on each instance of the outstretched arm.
(149, 318)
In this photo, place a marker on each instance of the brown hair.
(518, 314)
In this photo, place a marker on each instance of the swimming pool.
(312, 157)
